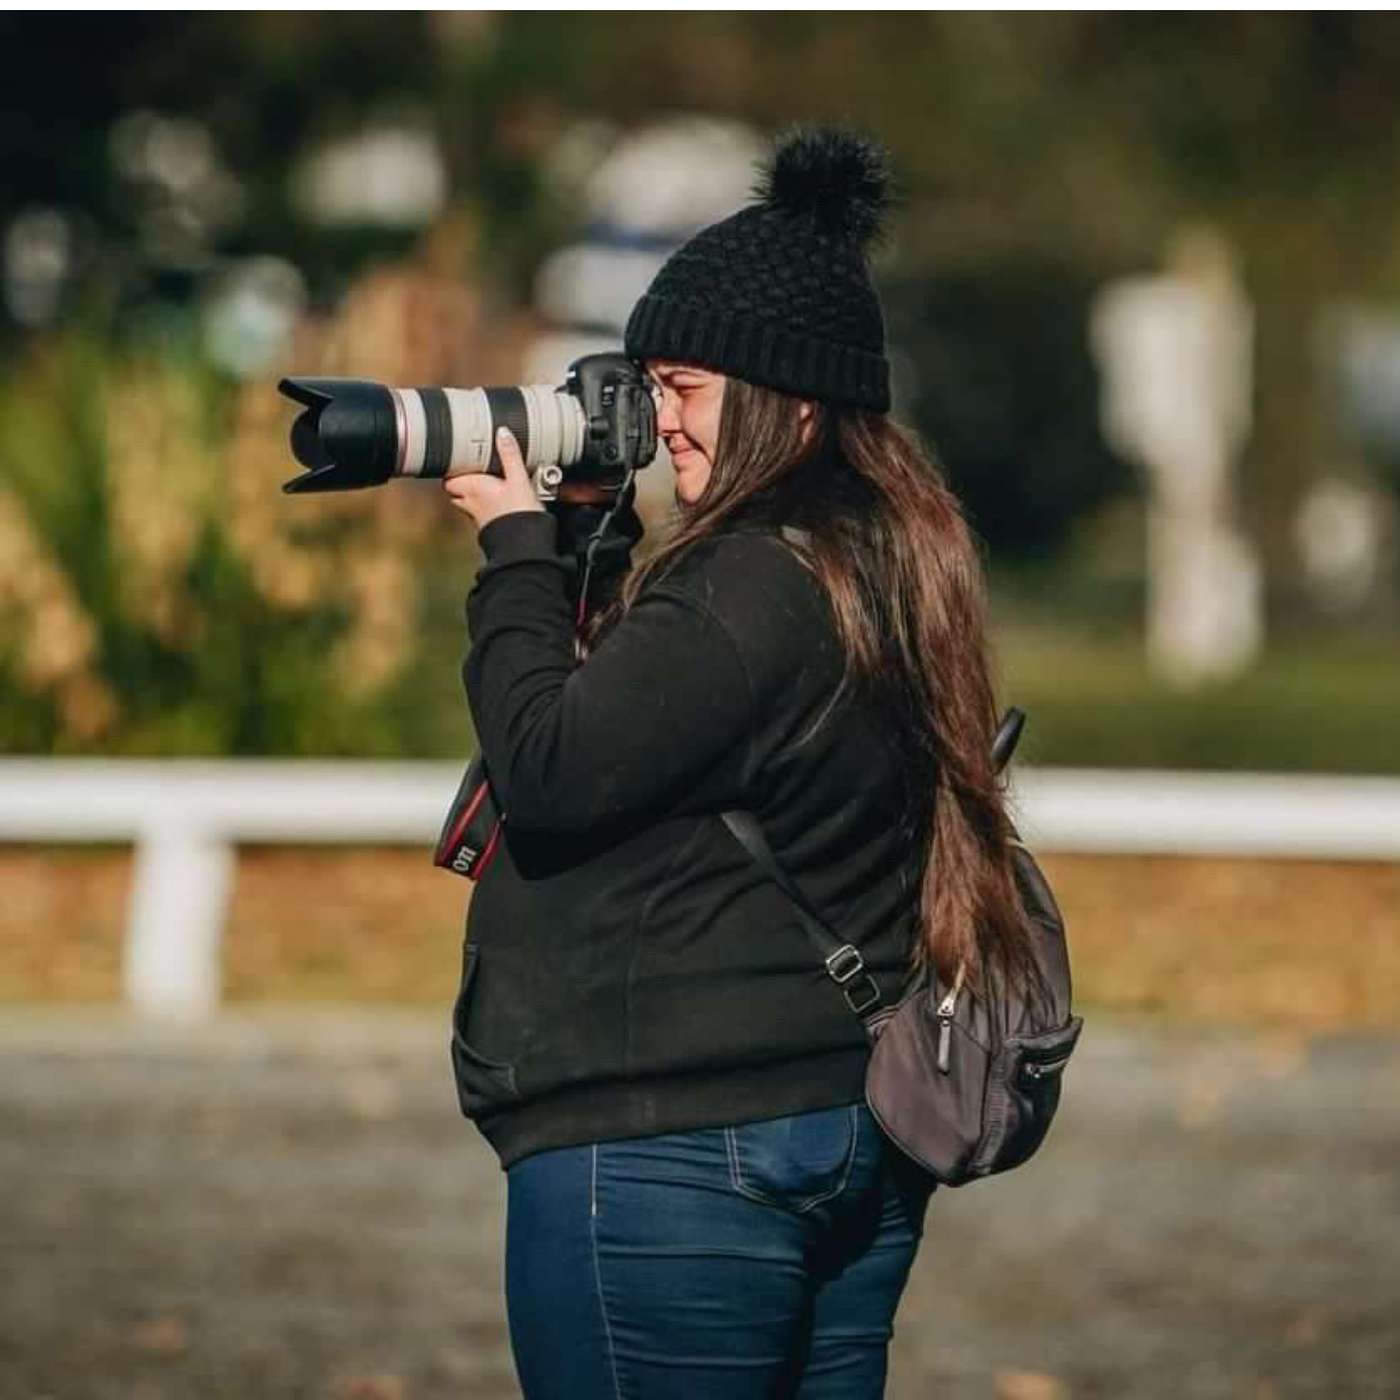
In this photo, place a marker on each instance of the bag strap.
(843, 962)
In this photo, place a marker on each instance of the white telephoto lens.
(443, 432)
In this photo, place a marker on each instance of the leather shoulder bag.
(966, 1086)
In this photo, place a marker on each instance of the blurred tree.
(1002, 384)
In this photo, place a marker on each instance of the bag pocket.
(935, 1117)
(1023, 1092)
(795, 1162)
(482, 1081)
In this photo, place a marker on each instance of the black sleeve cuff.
(519, 534)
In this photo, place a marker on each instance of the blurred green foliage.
(1001, 379)
(136, 624)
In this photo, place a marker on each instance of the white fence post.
(180, 887)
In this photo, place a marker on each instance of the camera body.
(597, 426)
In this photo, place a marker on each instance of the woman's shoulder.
(736, 567)
(754, 582)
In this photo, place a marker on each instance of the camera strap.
(594, 540)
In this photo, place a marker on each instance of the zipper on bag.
(1038, 1069)
(945, 1011)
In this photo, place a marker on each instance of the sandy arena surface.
(287, 1204)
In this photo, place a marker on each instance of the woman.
(698, 1201)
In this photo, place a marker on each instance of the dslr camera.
(598, 426)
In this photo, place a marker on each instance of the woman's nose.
(667, 419)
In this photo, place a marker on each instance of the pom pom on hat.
(839, 177)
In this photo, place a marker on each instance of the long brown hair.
(890, 545)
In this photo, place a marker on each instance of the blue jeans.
(764, 1259)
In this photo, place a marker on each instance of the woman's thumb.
(508, 450)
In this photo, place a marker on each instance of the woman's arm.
(663, 700)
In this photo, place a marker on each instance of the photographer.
(699, 1201)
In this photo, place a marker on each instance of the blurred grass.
(1305, 944)
(1311, 704)
(1068, 637)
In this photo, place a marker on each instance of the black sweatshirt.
(628, 970)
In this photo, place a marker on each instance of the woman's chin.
(690, 477)
(685, 489)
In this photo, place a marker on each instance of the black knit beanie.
(780, 293)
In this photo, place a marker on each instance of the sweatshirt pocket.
(483, 1081)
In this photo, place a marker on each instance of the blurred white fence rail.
(185, 819)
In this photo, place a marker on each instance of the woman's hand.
(484, 496)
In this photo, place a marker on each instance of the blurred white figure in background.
(1340, 531)
(642, 199)
(1348, 525)
(1175, 353)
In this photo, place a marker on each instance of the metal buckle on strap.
(869, 991)
(853, 963)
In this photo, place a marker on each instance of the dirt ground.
(1285, 943)
(287, 1204)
